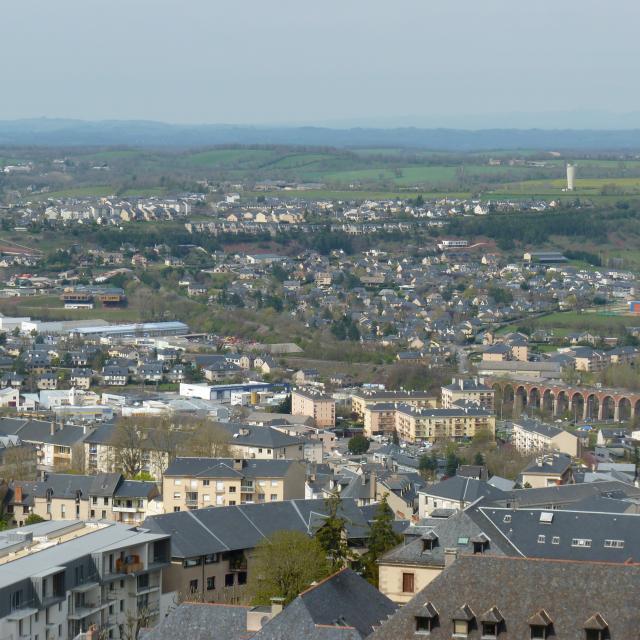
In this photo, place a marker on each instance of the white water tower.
(571, 177)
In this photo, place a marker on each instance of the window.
(211, 558)
(460, 628)
(538, 632)
(177, 481)
(614, 544)
(104, 515)
(489, 629)
(206, 497)
(211, 583)
(94, 500)
(205, 483)
(274, 483)
(274, 497)
(555, 540)
(581, 542)
(194, 484)
(176, 495)
(259, 450)
(176, 509)
(93, 513)
(219, 486)
(232, 489)
(541, 539)
(193, 586)
(219, 500)
(232, 503)
(408, 583)
(423, 625)
(262, 483)
(192, 562)
(63, 510)
(121, 605)
(228, 580)
(106, 501)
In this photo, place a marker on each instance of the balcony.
(125, 508)
(191, 499)
(86, 609)
(129, 565)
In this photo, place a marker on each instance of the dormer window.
(480, 543)
(596, 628)
(429, 541)
(540, 625)
(491, 622)
(463, 620)
(426, 619)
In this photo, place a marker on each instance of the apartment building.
(361, 399)
(317, 405)
(60, 496)
(470, 390)
(416, 425)
(193, 483)
(548, 470)
(248, 441)
(379, 419)
(60, 578)
(56, 444)
(529, 436)
(211, 549)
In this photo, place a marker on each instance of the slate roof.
(196, 621)
(200, 532)
(455, 532)
(253, 436)
(342, 606)
(464, 489)
(556, 464)
(568, 494)
(67, 485)
(40, 431)
(538, 533)
(535, 426)
(223, 468)
(513, 586)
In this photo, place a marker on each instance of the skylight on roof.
(546, 517)
(463, 540)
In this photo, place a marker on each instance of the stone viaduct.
(556, 398)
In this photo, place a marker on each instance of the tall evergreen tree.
(381, 539)
(332, 536)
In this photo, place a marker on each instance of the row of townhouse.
(105, 496)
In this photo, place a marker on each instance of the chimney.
(17, 494)
(277, 605)
(450, 556)
(237, 464)
(52, 429)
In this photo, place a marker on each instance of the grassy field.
(565, 322)
(229, 157)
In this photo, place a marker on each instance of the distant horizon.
(468, 64)
(551, 121)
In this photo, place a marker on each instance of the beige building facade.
(194, 483)
(320, 407)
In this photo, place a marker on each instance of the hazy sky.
(317, 61)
